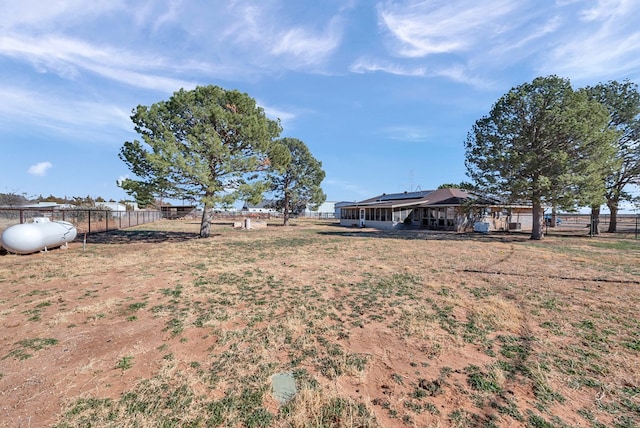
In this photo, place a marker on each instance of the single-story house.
(339, 205)
(113, 206)
(265, 206)
(442, 209)
(326, 210)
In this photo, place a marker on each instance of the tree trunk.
(613, 216)
(537, 218)
(205, 225)
(554, 217)
(595, 221)
(285, 210)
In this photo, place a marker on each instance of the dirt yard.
(152, 326)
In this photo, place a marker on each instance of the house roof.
(265, 203)
(42, 205)
(398, 197)
(423, 199)
(394, 200)
(452, 197)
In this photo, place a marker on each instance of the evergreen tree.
(208, 144)
(543, 143)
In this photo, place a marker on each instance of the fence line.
(583, 224)
(85, 220)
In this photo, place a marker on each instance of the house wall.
(454, 218)
(500, 220)
(325, 210)
(113, 206)
(523, 218)
(441, 218)
(381, 225)
(262, 210)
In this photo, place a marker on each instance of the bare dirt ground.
(152, 326)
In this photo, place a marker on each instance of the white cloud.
(40, 169)
(461, 74)
(455, 72)
(605, 9)
(409, 134)
(306, 46)
(442, 26)
(101, 120)
(364, 65)
(466, 40)
(605, 46)
(151, 45)
(52, 14)
(276, 113)
(67, 57)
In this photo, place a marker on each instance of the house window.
(450, 216)
(350, 213)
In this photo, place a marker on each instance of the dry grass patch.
(154, 327)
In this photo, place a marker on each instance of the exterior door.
(361, 217)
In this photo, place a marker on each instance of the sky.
(382, 92)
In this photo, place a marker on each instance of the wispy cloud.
(277, 113)
(425, 28)
(68, 57)
(409, 134)
(308, 47)
(40, 169)
(47, 111)
(567, 37)
(465, 75)
(604, 10)
(608, 43)
(455, 72)
(365, 65)
(163, 38)
(43, 14)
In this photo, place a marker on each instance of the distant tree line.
(15, 200)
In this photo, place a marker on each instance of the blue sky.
(382, 92)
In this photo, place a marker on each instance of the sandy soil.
(70, 327)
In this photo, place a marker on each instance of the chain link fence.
(85, 220)
(585, 224)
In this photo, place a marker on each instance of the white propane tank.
(40, 235)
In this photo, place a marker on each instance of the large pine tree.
(207, 144)
(542, 143)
